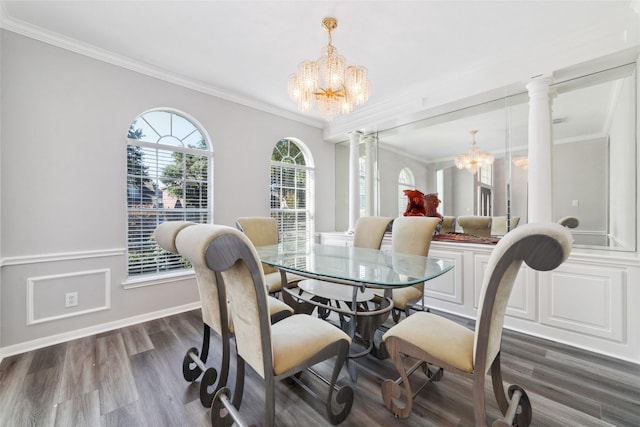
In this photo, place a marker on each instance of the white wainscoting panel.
(447, 287)
(585, 299)
(522, 302)
(46, 295)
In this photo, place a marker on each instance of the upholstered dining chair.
(448, 224)
(411, 235)
(499, 225)
(368, 233)
(274, 352)
(569, 222)
(475, 225)
(263, 231)
(184, 238)
(432, 339)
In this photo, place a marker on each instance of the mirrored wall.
(594, 160)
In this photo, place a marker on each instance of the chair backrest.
(231, 253)
(569, 221)
(475, 225)
(192, 243)
(448, 224)
(369, 231)
(165, 234)
(413, 234)
(262, 231)
(542, 247)
(499, 224)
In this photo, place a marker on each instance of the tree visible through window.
(168, 179)
(291, 182)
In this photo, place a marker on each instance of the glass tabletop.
(346, 264)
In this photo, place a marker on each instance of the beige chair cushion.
(448, 224)
(262, 231)
(444, 339)
(403, 296)
(499, 225)
(166, 233)
(192, 243)
(273, 281)
(412, 234)
(475, 225)
(276, 306)
(300, 337)
(369, 231)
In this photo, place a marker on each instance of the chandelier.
(521, 162)
(474, 159)
(328, 83)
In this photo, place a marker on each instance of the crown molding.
(20, 27)
(602, 45)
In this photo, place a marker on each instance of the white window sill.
(157, 279)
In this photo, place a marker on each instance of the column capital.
(539, 82)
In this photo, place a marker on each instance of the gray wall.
(63, 168)
(586, 183)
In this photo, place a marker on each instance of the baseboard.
(92, 330)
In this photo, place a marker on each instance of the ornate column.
(354, 179)
(540, 150)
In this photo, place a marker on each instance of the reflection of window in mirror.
(363, 185)
(440, 190)
(406, 181)
(484, 190)
(484, 201)
(485, 175)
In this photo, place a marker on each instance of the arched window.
(169, 164)
(292, 180)
(406, 181)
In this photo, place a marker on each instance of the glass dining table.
(354, 282)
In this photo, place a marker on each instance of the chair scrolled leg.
(344, 395)
(344, 400)
(519, 412)
(223, 413)
(192, 366)
(208, 380)
(391, 390)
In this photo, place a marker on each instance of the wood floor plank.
(13, 371)
(38, 397)
(136, 339)
(81, 411)
(124, 416)
(161, 404)
(80, 371)
(133, 377)
(117, 386)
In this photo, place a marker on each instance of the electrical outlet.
(71, 299)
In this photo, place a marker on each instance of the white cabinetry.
(591, 301)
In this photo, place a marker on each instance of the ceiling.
(420, 54)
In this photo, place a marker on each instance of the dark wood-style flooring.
(133, 377)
